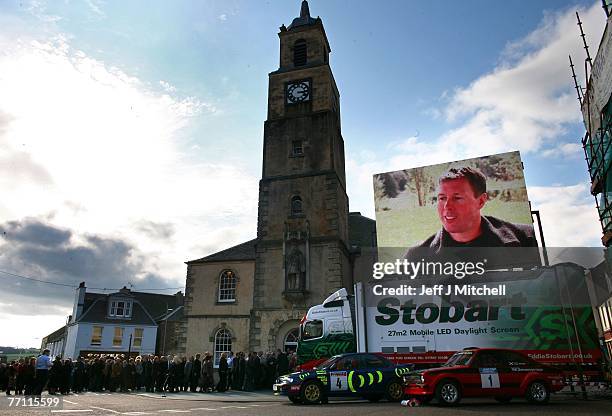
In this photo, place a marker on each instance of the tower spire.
(304, 19)
(304, 10)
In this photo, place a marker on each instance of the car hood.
(441, 369)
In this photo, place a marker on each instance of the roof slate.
(147, 307)
(362, 230)
(56, 335)
(244, 251)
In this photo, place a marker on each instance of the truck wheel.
(394, 392)
(295, 399)
(448, 393)
(538, 393)
(311, 393)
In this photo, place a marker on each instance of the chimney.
(79, 300)
(179, 298)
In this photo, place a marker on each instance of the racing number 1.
(489, 378)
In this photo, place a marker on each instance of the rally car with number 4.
(370, 376)
(485, 372)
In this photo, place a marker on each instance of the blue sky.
(131, 132)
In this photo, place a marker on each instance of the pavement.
(230, 396)
(265, 404)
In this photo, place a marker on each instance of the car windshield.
(460, 358)
(327, 363)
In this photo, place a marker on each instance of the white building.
(118, 323)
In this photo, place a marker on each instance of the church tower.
(302, 230)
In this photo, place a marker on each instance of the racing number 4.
(338, 380)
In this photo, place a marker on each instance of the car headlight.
(285, 379)
(414, 379)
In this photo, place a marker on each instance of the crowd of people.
(171, 373)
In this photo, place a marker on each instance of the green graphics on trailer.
(326, 346)
(543, 310)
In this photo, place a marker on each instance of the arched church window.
(291, 340)
(223, 344)
(227, 286)
(299, 52)
(296, 206)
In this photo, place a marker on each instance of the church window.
(297, 148)
(296, 206)
(223, 344)
(291, 340)
(299, 52)
(227, 286)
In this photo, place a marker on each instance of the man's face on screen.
(459, 209)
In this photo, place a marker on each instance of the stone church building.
(251, 297)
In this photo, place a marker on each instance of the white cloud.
(223, 17)
(38, 8)
(528, 99)
(27, 333)
(565, 150)
(98, 151)
(167, 86)
(96, 7)
(526, 103)
(569, 216)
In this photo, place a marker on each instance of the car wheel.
(448, 393)
(394, 392)
(538, 392)
(503, 399)
(295, 399)
(311, 393)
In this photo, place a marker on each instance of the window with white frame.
(96, 335)
(138, 337)
(227, 286)
(120, 308)
(118, 337)
(291, 340)
(223, 344)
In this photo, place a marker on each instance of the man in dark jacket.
(147, 373)
(188, 367)
(196, 369)
(462, 193)
(282, 363)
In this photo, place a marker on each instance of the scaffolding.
(596, 107)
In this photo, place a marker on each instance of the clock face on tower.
(297, 92)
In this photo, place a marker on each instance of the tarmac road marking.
(106, 410)
(202, 408)
(71, 411)
(136, 413)
(68, 401)
(175, 411)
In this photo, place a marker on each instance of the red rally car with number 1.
(485, 372)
